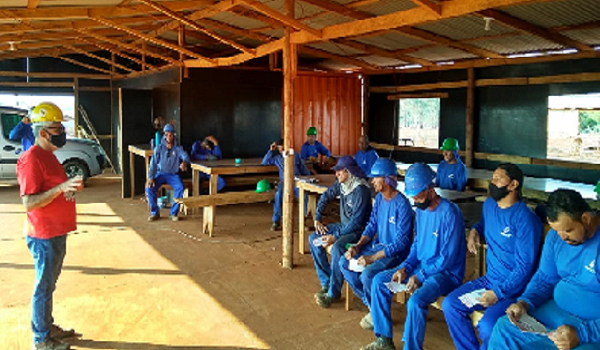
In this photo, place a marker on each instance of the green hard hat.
(597, 189)
(263, 186)
(311, 131)
(450, 144)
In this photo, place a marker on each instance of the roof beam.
(52, 75)
(235, 30)
(526, 27)
(258, 6)
(150, 39)
(75, 62)
(33, 4)
(340, 9)
(250, 13)
(162, 9)
(343, 59)
(101, 59)
(384, 53)
(117, 52)
(260, 51)
(429, 5)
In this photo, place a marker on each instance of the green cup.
(238, 161)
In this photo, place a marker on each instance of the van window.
(9, 121)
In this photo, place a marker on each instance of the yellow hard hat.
(46, 112)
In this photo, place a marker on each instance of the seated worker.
(435, 265)
(24, 133)
(355, 207)
(386, 240)
(513, 235)
(564, 292)
(366, 155)
(452, 174)
(275, 157)
(208, 149)
(312, 148)
(168, 158)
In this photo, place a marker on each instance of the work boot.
(322, 291)
(174, 218)
(381, 343)
(324, 300)
(367, 322)
(51, 344)
(276, 226)
(153, 217)
(58, 332)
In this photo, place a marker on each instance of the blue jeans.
(48, 256)
(507, 336)
(329, 274)
(278, 203)
(459, 323)
(172, 180)
(360, 282)
(220, 181)
(417, 306)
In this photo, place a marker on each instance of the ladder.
(92, 134)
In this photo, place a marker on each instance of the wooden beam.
(470, 117)
(526, 27)
(101, 59)
(33, 4)
(75, 62)
(340, 9)
(37, 84)
(250, 13)
(261, 51)
(343, 59)
(117, 52)
(235, 30)
(51, 75)
(384, 53)
(95, 89)
(418, 87)
(162, 9)
(430, 5)
(229, 198)
(289, 21)
(421, 95)
(147, 72)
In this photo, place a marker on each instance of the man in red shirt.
(49, 199)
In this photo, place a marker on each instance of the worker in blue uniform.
(513, 234)
(435, 265)
(23, 133)
(386, 240)
(311, 149)
(564, 293)
(168, 158)
(353, 190)
(208, 149)
(274, 156)
(452, 174)
(366, 155)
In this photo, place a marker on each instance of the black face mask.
(497, 193)
(58, 140)
(423, 205)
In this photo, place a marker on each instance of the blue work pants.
(172, 180)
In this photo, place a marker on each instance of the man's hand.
(565, 337)
(328, 240)
(473, 242)
(399, 276)
(352, 251)
(149, 183)
(413, 284)
(212, 139)
(312, 160)
(516, 310)
(366, 260)
(488, 298)
(74, 184)
(273, 147)
(320, 228)
(183, 166)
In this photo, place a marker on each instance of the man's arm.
(197, 151)
(324, 151)
(17, 132)
(36, 201)
(362, 200)
(217, 152)
(330, 194)
(404, 230)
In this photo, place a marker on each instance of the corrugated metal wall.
(332, 104)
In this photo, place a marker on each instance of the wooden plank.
(37, 84)
(343, 59)
(53, 75)
(290, 21)
(75, 62)
(95, 89)
(33, 4)
(340, 9)
(384, 53)
(228, 198)
(428, 4)
(470, 117)
(260, 51)
(418, 87)
(118, 53)
(101, 59)
(421, 95)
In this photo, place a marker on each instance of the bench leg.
(301, 220)
(349, 295)
(208, 224)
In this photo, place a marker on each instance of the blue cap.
(383, 167)
(418, 178)
(347, 162)
(169, 128)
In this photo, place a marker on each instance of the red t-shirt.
(38, 171)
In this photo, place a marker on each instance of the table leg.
(208, 223)
(132, 173)
(312, 204)
(301, 219)
(195, 187)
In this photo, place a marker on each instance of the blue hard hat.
(418, 178)
(169, 128)
(383, 167)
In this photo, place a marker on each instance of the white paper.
(318, 242)
(353, 265)
(528, 324)
(395, 287)
(471, 299)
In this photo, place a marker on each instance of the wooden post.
(470, 117)
(143, 55)
(289, 73)
(181, 41)
(112, 66)
(76, 111)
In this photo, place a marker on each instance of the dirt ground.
(129, 284)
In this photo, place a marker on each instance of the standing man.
(564, 292)
(513, 236)
(168, 158)
(434, 267)
(208, 149)
(386, 240)
(355, 207)
(366, 155)
(275, 157)
(452, 174)
(24, 133)
(49, 199)
(312, 148)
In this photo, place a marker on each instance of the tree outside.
(419, 121)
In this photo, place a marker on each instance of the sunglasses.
(60, 128)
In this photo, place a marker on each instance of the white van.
(78, 157)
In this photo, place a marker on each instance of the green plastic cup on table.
(238, 161)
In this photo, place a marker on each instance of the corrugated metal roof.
(466, 27)
(383, 61)
(302, 9)
(557, 13)
(326, 20)
(392, 41)
(275, 33)
(441, 53)
(384, 7)
(337, 49)
(586, 36)
(517, 44)
(83, 3)
(235, 20)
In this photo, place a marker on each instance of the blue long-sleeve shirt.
(392, 222)
(308, 150)
(513, 236)
(275, 158)
(571, 275)
(440, 244)
(355, 208)
(452, 176)
(366, 159)
(201, 153)
(166, 161)
(24, 133)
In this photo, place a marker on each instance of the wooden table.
(223, 167)
(142, 151)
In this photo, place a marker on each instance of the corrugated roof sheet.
(466, 27)
(441, 53)
(238, 21)
(586, 36)
(384, 7)
(302, 9)
(337, 49)
(392, 41)
(326, 20)
(557, 13)
(517, 44)
(383, 61)
(275, 33)
(83, 3)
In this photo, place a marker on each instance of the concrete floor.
(129, 284)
